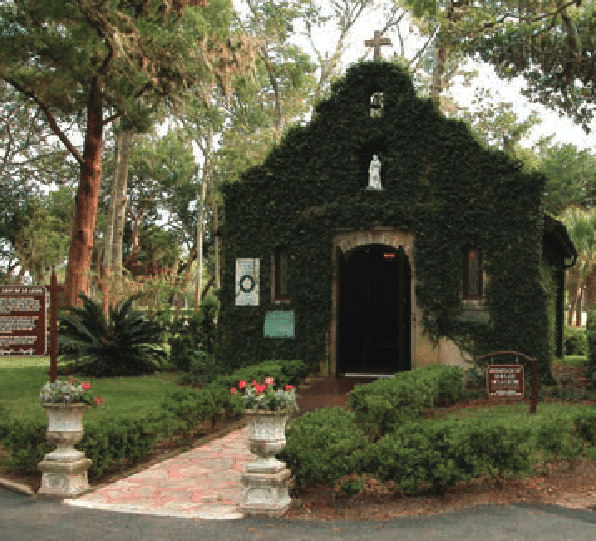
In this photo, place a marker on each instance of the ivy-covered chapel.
(382, 237)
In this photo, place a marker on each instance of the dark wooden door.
(374, 311)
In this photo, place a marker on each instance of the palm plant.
(581, 225)
(127, 343)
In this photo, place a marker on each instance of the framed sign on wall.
(279, 324)
(247, 281)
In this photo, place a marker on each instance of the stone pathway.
(203, 483)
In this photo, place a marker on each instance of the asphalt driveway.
(26, 518)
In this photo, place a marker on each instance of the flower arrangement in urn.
(68, 392)
(257, 397)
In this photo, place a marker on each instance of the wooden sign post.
(508, 383)
(23, 321)
(54, 290)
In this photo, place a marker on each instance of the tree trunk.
(590, 290)
(120, 201)
(85, 213)
(185, 278)
(200, 241)
(572, 305)
(134, 252)
(579, 307)
(109, 239)
(216, 244)
(205, 177)
(112, 283)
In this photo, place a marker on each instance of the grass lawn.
(571, 360)
(21, 380)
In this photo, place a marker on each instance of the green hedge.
(110, 441)
(385, 404)
(284, 373)
(328, 445)
(591, 336)
(323, 445)
(386, 437)
(441, 454)
(576, 341)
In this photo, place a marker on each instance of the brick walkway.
(203, 483)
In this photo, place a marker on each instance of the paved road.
(25, 518)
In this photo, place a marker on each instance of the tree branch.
(524, 20)
(425, 46)
(50, 117)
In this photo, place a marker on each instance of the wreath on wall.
(243, 279)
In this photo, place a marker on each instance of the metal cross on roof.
(377, 42)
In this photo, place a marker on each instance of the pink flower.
(86, 385)
(98, 401)
(288, 387)
(242, 384)
(233, 391)
(260, 388)
(269, 381)
(254, 382)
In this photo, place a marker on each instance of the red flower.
(260, 388)
(86, 385)
(233, 391)
(242, 384)
(269, 381)
(288, 387)
(98, 401)
(254, 382)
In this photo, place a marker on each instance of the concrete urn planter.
(267, 479)
(64, 470)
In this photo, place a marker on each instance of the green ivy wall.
(438, 182)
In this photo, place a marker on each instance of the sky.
(564, 129)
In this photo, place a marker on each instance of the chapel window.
(376, 105)
(473, 274)
(282, 274)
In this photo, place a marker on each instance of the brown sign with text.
(505, 381)
(23, 320)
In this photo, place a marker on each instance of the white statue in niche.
(374, 174)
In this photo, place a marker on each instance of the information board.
(505, 381)
(23, 320)
(279, 324)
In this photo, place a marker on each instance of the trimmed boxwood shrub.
(323, 446)
(284, 373)
(386, 404)
(576, 341)
(443, 453)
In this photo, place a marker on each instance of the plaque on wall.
(247, 282)
(279, 324)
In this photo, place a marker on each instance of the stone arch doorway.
(374, 310)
